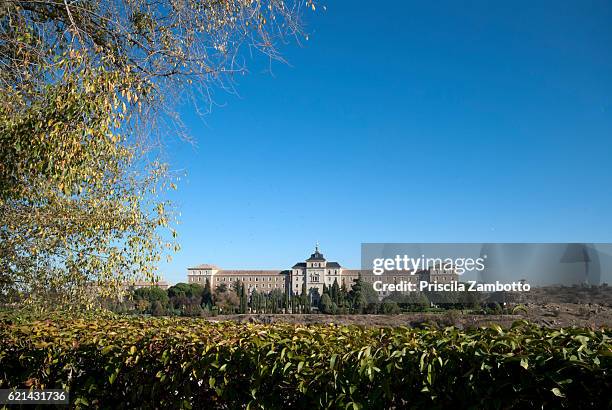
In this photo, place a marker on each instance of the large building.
(162, 284)
(262, 280)
(314, 272)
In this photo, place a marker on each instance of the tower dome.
(316, 256)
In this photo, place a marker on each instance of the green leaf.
(557, 392)
(332, 361)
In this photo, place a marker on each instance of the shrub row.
(190, 363)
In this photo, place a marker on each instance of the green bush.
(181, 362)
(389, 307)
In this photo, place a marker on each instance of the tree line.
(192, 299)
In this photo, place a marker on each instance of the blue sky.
(412, 122)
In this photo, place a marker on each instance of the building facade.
(162, 284)
(314, 273)
(263, 280)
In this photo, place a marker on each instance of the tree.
(359, 303)
(143, 305)
(195, 290)
(207, 299)
(413, 301)
(256, 301)
(276, 299)
(244, 299)
(192, 309)
(335, 292)
(357, 295)
(180, 289)
(85, 89)
(370, 294)
(304, 299)
(237, 286)
(287, 303)
(228, 302)
(221, 288)
(343, 297)
(187, 298)
(151, 300)
(390, 307)
(295, 304)
(151, 294)
(326, 304)
(158, 309)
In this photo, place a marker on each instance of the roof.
(144, 284)
(250, 272)
(333, 265)
(370, 272)
(316, 256)
(205, 266)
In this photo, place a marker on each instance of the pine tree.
(357, 296)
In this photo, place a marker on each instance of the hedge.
(124, 362)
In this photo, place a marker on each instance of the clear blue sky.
(412, 122)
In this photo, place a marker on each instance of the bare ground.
(549, 315)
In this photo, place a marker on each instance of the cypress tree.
(255, 300)
(357, 295)
(335, 292)
(207, 299)
(304, 299)
(343, 295)
(243, 299)
(286, 303)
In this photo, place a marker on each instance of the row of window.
(263, 285)
(329, 272)
(250, 279)
(242, 279)
(270, 285)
